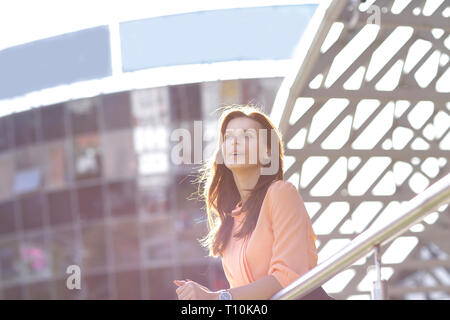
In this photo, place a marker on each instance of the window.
(90, 202)
(158, 280)
(116, 110)
(250, 90)
(25, 127)
(27, 180)
(55, 163)
(63, 247)
(9, 261)
(6, 133)
(59, 204)
(7, 175)
(53, 122)
(150, 106)
(260, 91)
(119, 156)
(185, 102)
(28, 176)
(190, 250)
(61, 292)
(151, 145)
(94, 253)
(270, 87)
(210, 137)
(158, 241)
(39, 290)
(128, 285)
(125, 241)
(122, 197)
(13, 293)
(158, 228)
(190, 227)
(154, 200)
(88, 160)
(159, 252)
(32, 212)
(7, 218)
(35, 257)
(230, 92)
(211, 100)
(84, 115)
(96, 287)
(152, 163)
(186, 197)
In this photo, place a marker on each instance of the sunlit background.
(91, 91)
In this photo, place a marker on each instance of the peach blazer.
(282, 243)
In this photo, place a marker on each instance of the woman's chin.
(240, 166)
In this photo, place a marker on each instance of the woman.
(257, 222)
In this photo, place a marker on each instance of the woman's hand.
(191, 290)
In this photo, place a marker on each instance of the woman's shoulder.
(278, 186)
(283, 192)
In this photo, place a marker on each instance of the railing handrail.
(412, 212)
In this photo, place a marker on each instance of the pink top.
(282, 243)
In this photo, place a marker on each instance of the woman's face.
(240, 147)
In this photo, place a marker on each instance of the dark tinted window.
(64, 250)
(31, 210)
(53, 124)
(154, 200)
(6, 133)
(116, 110)
(59, 207)
(90, 202)
(9, 260)
(128, 285)
(118, 155)
(125, 241)
(7, 170)
(13, 293)
(185, 102)
(25, 127)
(94, 255)
(56, 164)
(158, 284)
(61, 292)
(122, 197)
(96, 286)
(39, 290)
(7, 218)
(250, 90)
(83, 115)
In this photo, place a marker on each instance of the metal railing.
(412, 212)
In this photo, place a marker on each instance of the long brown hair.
(219, 191)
